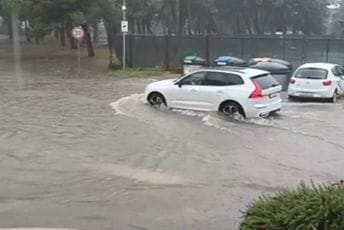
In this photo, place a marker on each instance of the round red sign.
(78, 33)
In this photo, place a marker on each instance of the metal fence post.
(327, 49)
(304, 55)
(167, 55)
(207, 49)
(131, 50)
(242, 48)
(284, 44)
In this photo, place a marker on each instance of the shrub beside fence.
(168, 51)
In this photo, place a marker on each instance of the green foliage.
(307, 207)
(10, 5)
(138, 72)
(39, 29)
(269, 16)
(78, 17)
(181, 16)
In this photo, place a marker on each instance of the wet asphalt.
(88, 153)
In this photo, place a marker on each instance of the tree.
(109, 12)
(7, 9)
(269, 16)
(187, 17)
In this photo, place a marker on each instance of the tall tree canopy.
(174, 17)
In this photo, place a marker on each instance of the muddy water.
(91, 154)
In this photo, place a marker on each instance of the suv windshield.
(266, 81)
(311, 73)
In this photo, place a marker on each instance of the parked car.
(317, 80)
(229, 90)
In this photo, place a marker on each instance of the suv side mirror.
(180, 83)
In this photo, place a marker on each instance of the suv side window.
(194, 79)
(233, 79)
(215, 79)
(222, 79)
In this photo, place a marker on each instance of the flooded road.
(89, 153)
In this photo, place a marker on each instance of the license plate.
(305, 94)
(221, 63)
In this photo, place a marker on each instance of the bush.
(306, 207)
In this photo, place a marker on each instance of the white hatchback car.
(229, 90)
(317, 80)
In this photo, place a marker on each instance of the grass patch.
(138, 72)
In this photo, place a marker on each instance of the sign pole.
(124, 31)
(79, 62)
(124, 52)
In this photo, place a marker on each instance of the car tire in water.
(232, 109)
(291, 98)
(333, 99)
(156, 99)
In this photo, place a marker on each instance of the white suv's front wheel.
(156, 99)
(232, 110)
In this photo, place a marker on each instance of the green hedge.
(306, 207)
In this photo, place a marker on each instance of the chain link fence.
(169, 51)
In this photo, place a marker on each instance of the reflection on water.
(17, 49)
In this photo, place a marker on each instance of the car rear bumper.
(324, 93)
(261, 109)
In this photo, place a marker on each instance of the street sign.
(78, 33)
(124, 27)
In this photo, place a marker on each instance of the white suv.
(231, 91)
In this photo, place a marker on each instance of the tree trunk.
(178, 18)
(248, 25)
(87, 38)
(72, 42)
(256, 22)
(189, 17)
(62, 34)
(37, 41)
(238, 24)
(8, 23)
(110, 45)
(95, 32)
(27, 31)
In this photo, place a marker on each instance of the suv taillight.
(327, 83)
(258, 92)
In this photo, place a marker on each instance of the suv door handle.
(219, 91)
(194, 90)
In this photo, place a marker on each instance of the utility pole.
(124, 32)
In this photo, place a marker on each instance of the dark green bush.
(306, 207)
